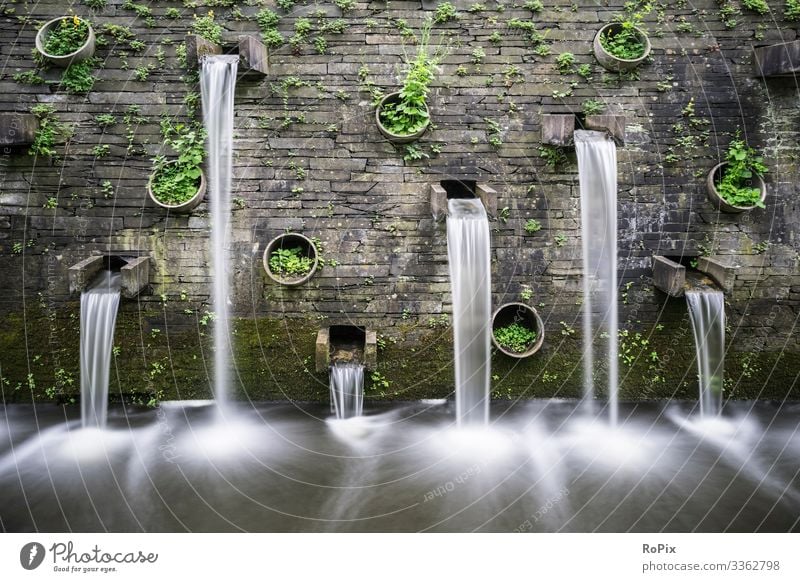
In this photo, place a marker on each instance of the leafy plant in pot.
(623, 45)
(179, 184)
(737, 185)
(290, 259)
(66, 40)
(403, 117)
(517, 330)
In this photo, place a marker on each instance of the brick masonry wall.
(309, 158)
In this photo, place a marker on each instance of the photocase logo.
(31, 555)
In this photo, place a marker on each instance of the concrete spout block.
(17, 128)
(558, 129)
(777, 60)
(722, 274)
(669, 276)
(371, 350)
(322, 350)
(83, 273)
(438, 202)
(253, 56)
(614, 125)
(197, 47)
(488, 196)
(135, 277)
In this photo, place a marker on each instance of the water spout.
(347, 390)
(99, 306)
(468, 252)
(217, 84)
(707, 313)
(597, 173)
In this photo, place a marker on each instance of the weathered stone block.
(81, 274)
(777, 60)
(669, 276)
(17, 128)
(253, 56)
(438, 197)
(724, 275)
(613, 124)
(558, 129)
(488, 196)
(197, 47)
(371, 350)
(135, 276)
(322, 350)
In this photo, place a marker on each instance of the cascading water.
(597, 173)
(99, 305)
(217, 85)
(347, 390)
(468, 252)
(707, 313)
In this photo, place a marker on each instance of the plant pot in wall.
(621, 46)
(174, 192)
(517, 330)
(736, 185)
(392, 103)
(66, 40)
(290, 259)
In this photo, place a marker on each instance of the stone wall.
(309, 158)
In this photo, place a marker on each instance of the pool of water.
(541, 466)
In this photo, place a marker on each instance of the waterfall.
(217, 85)
(707, 313)
(98, 315)
(347, 390)
(470, 280)
(597, 174)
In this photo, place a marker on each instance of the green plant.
(286, 4)
(345, 5)
(67, 37)
(478, 54)
(565, 62)
(78, 77)
(533, 5)
(792, 10)
(28, 78)
(759, 6)
(175, 182)
(50, 129)
(592, 107)
(206, 27)
(553, 156)
(625, 42)
(289, 262)
(141, 73)
(515, 337)
(96, 4)
(172, 13)
(379, 381)
(445, 12)
(560, 239)
(409, 114)
(526, 293)
(412, 153)
(735, 184)
(532, 226)
(100, 150)
(51, 202)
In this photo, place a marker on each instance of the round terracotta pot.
(612, 63)
(394, 137)
(64, 61)
(719, 202)
(184, 207)
(524, 315)
(289, 241)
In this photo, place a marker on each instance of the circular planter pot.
(612, 63)
(289, 241)
(64, 61)
(184, 207)
(719, 202)
(393, 137)
(524, 315)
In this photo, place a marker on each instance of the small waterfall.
(217, 85)
(347, 390)
(98, 315)
(468, 252)
(597, 173)
(707, 313)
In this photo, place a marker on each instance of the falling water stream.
(707, 313)
(217, 85)
(347, 390)
(99, 305)
(597, 172)
(470, 280)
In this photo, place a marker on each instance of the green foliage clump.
(445, 12)
(408, 115)
(28, 78)
(792, 10)
(626, 42)
(533, 5)
(175, 182)
(206, 27)
(96, 4)
(345, 5)
(78, 77)
(532, 226)
(67, 37)
(289, 262)
(759, 6)
(565, 62)
(515, 337)
(553, 156)
(286, 4)
(50, 129)
(735, 186)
